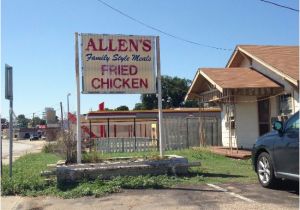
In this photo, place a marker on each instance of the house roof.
(238, 78)
(283, 60)
(228, 78)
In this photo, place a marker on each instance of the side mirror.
(278, 126)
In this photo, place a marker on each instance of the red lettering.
(133, 44)
(119, 69)
(120, 85)
(129, 83)
(110, 45)
(133, 70)
(125, 82)
(122, 45)
(104, 83)
(91, 44)
(144, 83)
(104, 68)
(135, 83)
(94, 85)
(147, 45)
(101, 45)
(124, 70)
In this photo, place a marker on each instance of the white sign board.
(118, 63)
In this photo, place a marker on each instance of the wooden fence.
(179, 133)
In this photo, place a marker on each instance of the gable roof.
(283, 60)
(238, 78)
(228, 78)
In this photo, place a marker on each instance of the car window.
(292, 125)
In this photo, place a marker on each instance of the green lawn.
(215, 169)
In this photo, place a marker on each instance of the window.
(285, 104)
(293, 124)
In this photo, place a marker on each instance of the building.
(50, 117)
(259, 85)
(181, 127)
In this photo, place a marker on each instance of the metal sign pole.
(160, 114)
(9, 96)
(78, 128)
(10, 135)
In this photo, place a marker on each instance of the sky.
(37, 39)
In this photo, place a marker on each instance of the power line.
(161, 31)
(280, 5)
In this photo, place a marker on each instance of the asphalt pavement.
(199, 196)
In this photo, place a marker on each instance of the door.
(264, 116)
(286, 149)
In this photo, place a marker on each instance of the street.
(20, 147)
(198, 196)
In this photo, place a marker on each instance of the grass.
(215, 169)
(26, 177)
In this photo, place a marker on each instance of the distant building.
(50, 117)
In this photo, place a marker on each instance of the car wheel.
(265, 170)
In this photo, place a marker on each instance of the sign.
(118, 63)
(8, 82)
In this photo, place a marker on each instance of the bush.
(65, 146)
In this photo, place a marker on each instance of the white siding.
(273, 109)
(260, 68)
(225, 130)
(246, 121)
(296, 101)
(288, 87)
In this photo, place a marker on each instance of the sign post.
(9, 96)
(78, 128)
(160, 114)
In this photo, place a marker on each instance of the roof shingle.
(238, 78)
(283, 58)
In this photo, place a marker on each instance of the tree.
(22, 121)
(139, 106)
(174, 90)
(122, 108)
(37, 121)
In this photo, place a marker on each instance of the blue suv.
(275, 155)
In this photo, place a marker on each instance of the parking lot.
(20, 147)
(204, 196)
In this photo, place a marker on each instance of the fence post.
(134, 133)
(187, 133)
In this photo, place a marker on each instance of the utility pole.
(61, 116)
(33, 120)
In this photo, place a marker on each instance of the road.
(199, 196)
(20, 147)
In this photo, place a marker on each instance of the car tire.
(265, 171)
